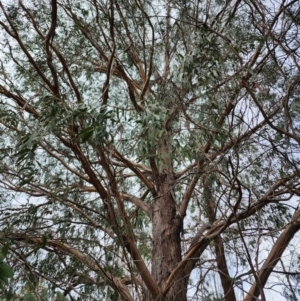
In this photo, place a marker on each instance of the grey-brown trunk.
(166, 252)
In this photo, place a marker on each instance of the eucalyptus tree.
(150, 150)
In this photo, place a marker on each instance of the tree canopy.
(149, 150)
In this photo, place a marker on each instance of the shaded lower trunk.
(166, 252)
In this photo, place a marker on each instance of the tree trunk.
(167, 225)
(166, 252)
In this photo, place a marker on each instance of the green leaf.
(44, 240)
(3, 279)
(25, 181)
(5, 249)
(6, 271)
(29, 297)
(86, 134)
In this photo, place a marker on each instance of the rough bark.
(167, 227)
(166, 251)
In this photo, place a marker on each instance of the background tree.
(150, 150)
